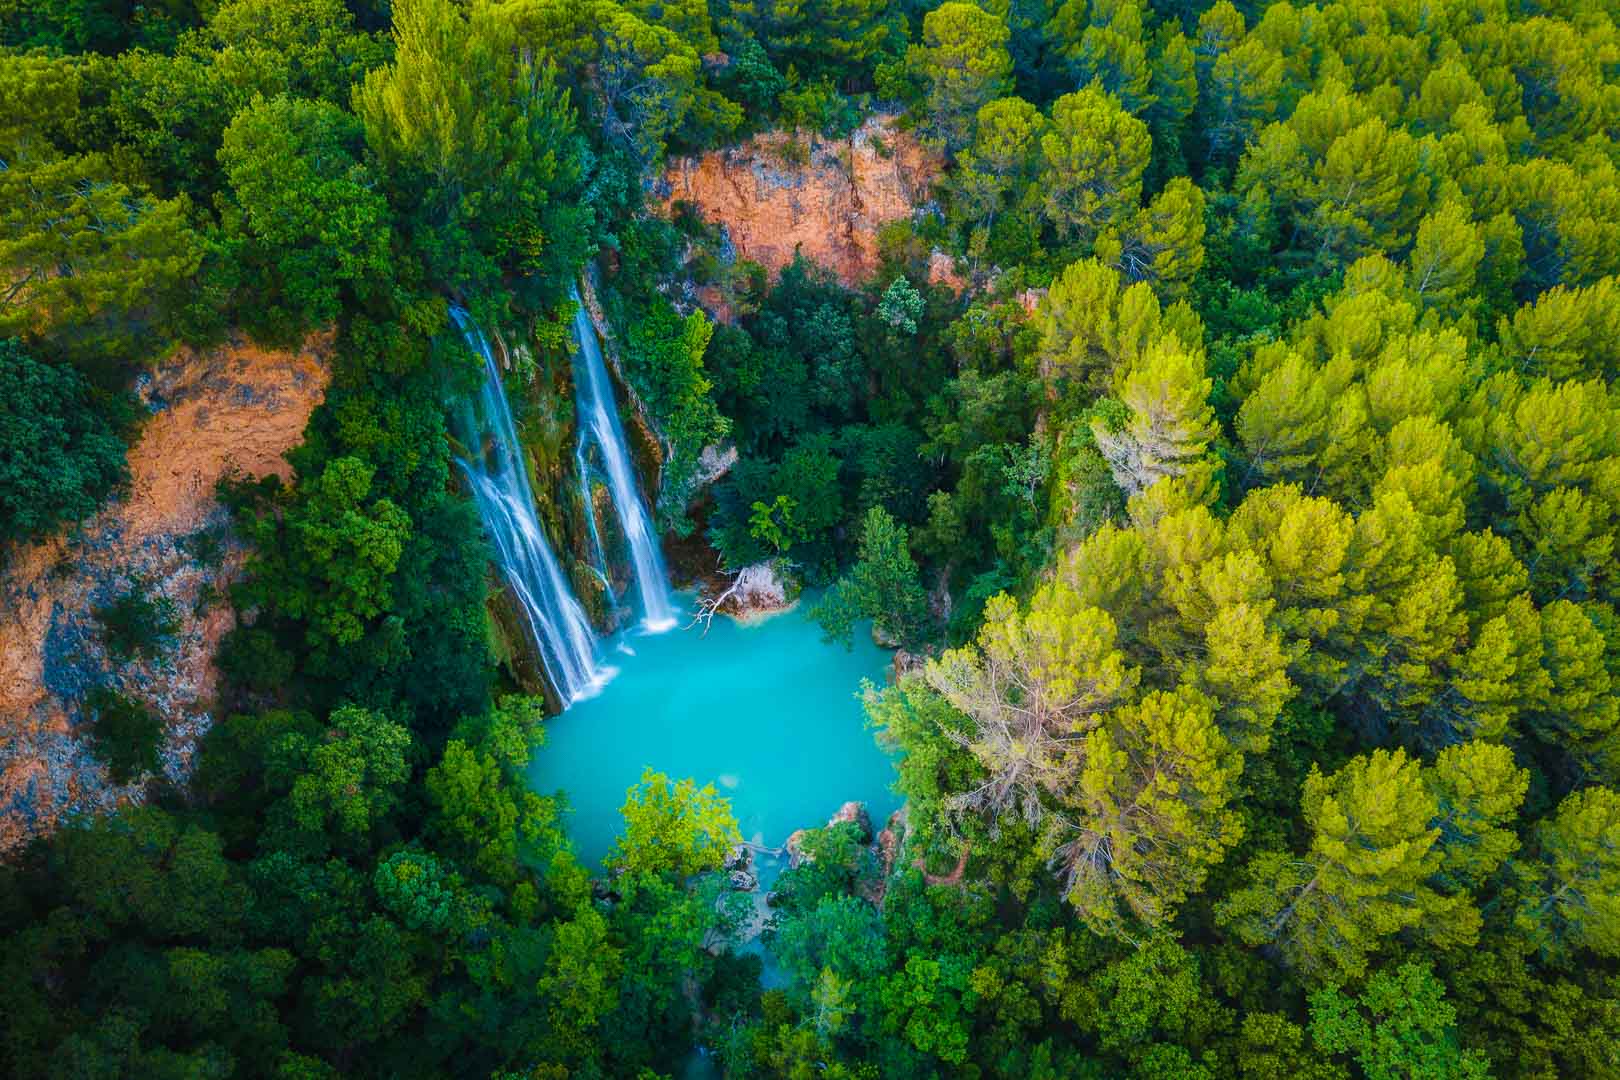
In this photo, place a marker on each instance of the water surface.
(767, 712)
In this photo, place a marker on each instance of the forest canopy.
(1245, 504)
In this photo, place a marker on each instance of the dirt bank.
(228, 411)
(777, 195)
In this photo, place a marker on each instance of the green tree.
(89, 259)
(1154, 795)
(126, 735)
(1399, 1028)
(308, 216)
(1373, 852)
(664, 361)
(1092, 160)
(1445, 258)
(1578, 712)
(480, 149)
(673, 827)
(418, 890)
(883, 585)
(901, 306)
(1170, 425)
(482, 811)
(1034, 685)
(342, 782)
(1104, 42)
(964, 62)
(1165, 243)
(135, 624)
(1094, 330)
(1572, 891)
(59, 457)
(997, 168)
(651, 81)
(329, 561)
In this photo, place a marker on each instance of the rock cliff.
(228, 411)
(777, 195)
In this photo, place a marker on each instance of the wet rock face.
(232, 411)
(777, 195)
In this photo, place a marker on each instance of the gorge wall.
(231, 411)
(779, 194)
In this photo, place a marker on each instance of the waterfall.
(599, 426)
(500, 483)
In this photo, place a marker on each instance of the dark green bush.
(137, 624)
(126, 734)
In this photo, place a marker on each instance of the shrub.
(125, 736)
(137, 624)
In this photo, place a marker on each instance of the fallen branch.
(755, 586)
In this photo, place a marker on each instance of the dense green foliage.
(59, 457)
(125, 734)
(1250, 517)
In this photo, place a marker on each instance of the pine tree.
(1170, 425)
(1568, 333)
(1375, 847)
(1445, 258)
(1305, 544)
(964, 62)
(1006, 137)
(1572, 889)
(1580, 713)
(1164, 245)
(1478, 791)
(1034, 685)
(1151, 813)
(1092, 161)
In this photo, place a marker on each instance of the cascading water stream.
(500, 484)
(599, 426)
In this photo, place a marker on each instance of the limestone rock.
(227, 411)
(713, 463)
(778, 195)
(757, 590)
(795, 849)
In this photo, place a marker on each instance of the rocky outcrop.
(850, 813)
(891, 839)
(904, 663)
(777, 194)
(713, 464)
(755, 592)
(232, 411)
(794, 847)
(854, 812)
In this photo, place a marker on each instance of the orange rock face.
(828, 208)
(232, 411)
